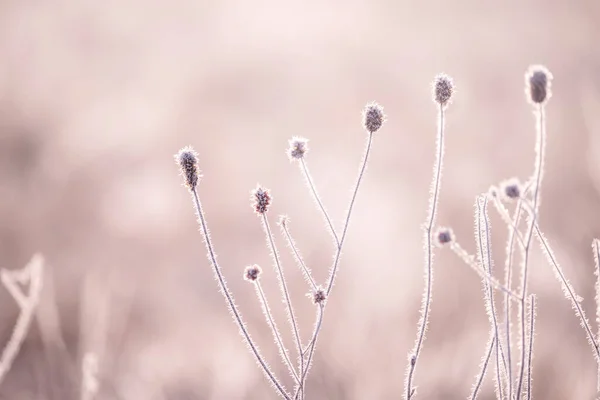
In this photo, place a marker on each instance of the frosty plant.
(261, 199)
(513, 199)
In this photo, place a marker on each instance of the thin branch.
(484, 363)
(229, 298)
(470, 261)
(284, 290)
(315, 194)
(532, 311)
(433, 201)
(267, 311)
(292, 244)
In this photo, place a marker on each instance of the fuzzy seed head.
(283, 220)
(443, 236)
(443, 88)
(187, 159)
(373, 117)
(252, 273)
(538, 81)
(318, 296)
(298, 147)
(511, 189)
(261, 200)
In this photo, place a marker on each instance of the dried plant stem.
(33, 274)
(284, 290)
(433, 201)
(596, 249)
(332, 275)
(267, 311)
(315, 194)
(537, 178)
(229, 298)
(470, 261)
(568, 291)
(484, 364)
(297, 255)
(512, 224)
(484, 246)
(349, 214)
(311, 350)
(508, 282)
(532, 312)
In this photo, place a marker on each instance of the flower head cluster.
(443, 88)
(443, 236)
(261, 200)
(252, 273)
(373, 117)
(538, 81)
(511, 189)
(298, 147)
(187, 159)
(318, 296)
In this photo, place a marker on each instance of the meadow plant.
(511, 381)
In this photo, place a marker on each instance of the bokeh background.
(96, 97)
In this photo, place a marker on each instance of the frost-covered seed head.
(538, 82)
(298, 147)
(442, 89)
(187, 159)
(252, 273)
(283, 220)
(373, 117)
(318, 296)
(511, 189)
(261, 200)
(443, 236)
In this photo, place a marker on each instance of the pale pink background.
(96, 97)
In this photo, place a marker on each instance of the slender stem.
(433, 201)
(311, 349)
(596, 248)
(508, 283)
(512, 225)
(486, 260)
(338, 253)
(313, 189)
(568, 291)
(484, 364)
(230, 302)
(267, 311)
(347, 221)
(537, 177)
(297, 256)
(470, 261)
(284, 290)
(531, 333)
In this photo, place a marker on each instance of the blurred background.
(96, 97)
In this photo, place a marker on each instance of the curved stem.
(230, 302)
(433, 200)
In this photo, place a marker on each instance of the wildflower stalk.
(532, 311)
(596, 249)
(315, 194)
(484, 364)
(230, 301)
(284, 289)
(442, 93)
(267, 311)
(484, 246)
(292, 244)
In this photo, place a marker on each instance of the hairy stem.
(230, 302)
(433, 201)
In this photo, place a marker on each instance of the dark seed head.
(318, 296)
(511, 189)
(373, 117)
(298, 147)
(187, 159)
(443, 236)
(538, 81)
(252, 273)
(443, 88)
(261, 200)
